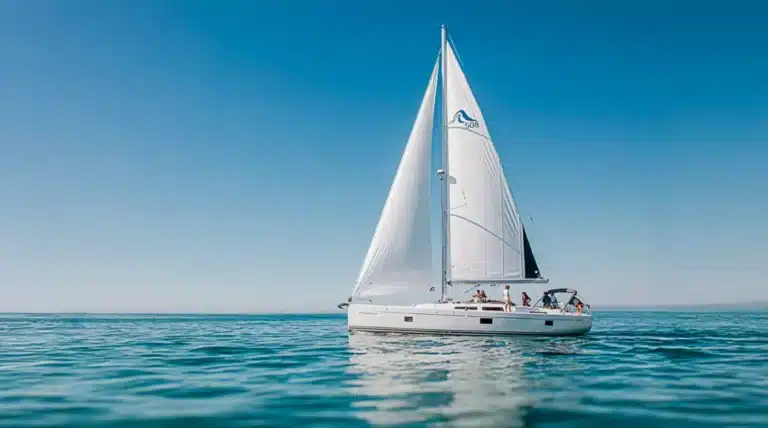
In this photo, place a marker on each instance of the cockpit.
(564, 299)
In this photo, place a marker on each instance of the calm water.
(634, 369)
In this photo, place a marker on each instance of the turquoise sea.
(635, 369)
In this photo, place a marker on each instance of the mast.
(443, 172)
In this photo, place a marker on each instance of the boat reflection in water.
(465, 381)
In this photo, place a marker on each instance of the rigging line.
(455, 51)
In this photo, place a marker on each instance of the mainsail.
(400, 253)
(486, 241)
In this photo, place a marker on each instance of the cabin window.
(466, 307)
(486, 320)
(492, 308)
(549, 322)
(408, 319)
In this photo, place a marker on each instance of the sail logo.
(462, 118)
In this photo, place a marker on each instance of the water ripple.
(634, 369)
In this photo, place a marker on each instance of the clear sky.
(235, 156)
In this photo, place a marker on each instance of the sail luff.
(400, 253)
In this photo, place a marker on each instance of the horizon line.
(762, 304)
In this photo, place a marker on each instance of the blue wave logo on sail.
(462, 118)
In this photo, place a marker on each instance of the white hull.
(445, 319)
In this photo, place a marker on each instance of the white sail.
(400, 254)
(486, 235)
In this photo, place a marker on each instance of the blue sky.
(220, 156)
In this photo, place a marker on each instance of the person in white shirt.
(554, 301)
(507, 300)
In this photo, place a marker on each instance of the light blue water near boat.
(635, 369)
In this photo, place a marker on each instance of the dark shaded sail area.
(531, 267)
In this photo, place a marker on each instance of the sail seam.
(487, 138)
(483, 229)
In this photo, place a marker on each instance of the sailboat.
(483, 239)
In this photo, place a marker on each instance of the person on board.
(546, 301)
(579, 306)
(577, 303)
(526, 299)
(573, 300)
(483, 296)
(507, 299)
(553, 301)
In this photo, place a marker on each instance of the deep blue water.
(635, 369)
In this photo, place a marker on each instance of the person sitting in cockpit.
(553, 301)
(546, 301)
(576, 303)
